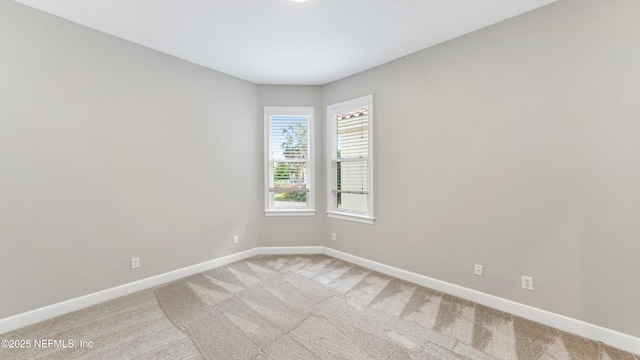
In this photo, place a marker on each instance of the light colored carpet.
(300, 307)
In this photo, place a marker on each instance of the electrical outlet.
(135, 263)
(334, 237)
(477, 269)
(236, 240)
(527, 283)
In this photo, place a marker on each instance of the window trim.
(308, 112)
(332, 210)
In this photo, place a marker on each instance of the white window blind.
(289, 174)
(350, 164)
(351, 160)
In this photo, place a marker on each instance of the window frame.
(333, 211)
(269, 206)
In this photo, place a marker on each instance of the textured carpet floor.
(299, 307)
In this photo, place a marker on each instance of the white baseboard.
(291, 250)
(65, 307)
(578, 327)
(594, 332)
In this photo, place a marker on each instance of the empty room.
(320, 179)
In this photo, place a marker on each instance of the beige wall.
(515, 147)
(108, 151)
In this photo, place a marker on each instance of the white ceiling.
(284, 42)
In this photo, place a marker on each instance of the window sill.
(351, 217)
(301, 212)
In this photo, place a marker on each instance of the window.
(349, 162)
(289, 173)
